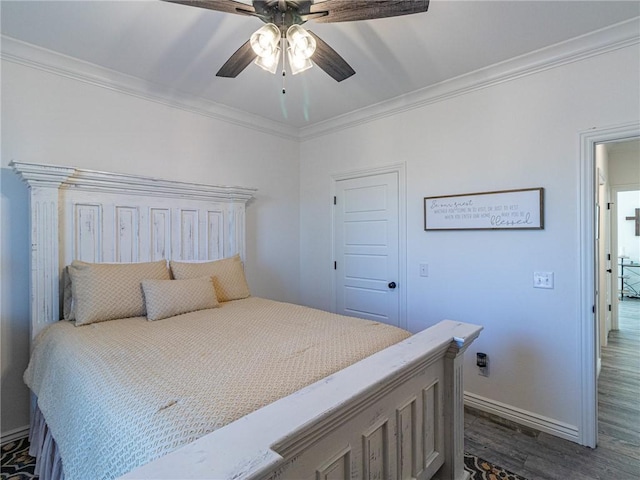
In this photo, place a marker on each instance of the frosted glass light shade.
(298, 63)
(264, 41)
(300, 42)
(301, 47)
(269, 62)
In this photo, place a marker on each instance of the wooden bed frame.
(396, 414)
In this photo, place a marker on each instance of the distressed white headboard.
(110, 217)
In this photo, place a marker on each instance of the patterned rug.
(17, 464)
(480, 469)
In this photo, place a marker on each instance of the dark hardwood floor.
(540, 456)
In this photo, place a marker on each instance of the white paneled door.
(366, 247)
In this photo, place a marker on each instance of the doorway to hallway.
(588, 356)
(617, 275)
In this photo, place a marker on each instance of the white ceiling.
(181, 48)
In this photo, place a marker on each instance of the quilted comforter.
(121, 393)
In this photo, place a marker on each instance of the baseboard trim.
(523, 417)
(14, 434)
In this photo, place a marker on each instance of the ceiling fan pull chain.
(284, 73)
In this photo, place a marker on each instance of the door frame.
(400, 169)
(588, 348)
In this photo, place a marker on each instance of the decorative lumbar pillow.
(228, 276)
(107, 291)
(167, 298)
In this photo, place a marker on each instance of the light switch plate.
(424, 269)
(542, 279)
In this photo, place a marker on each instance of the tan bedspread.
(118, 394)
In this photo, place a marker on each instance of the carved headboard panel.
(108, 217)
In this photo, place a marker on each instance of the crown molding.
(621, 35)
(26, 54)
(598, 42)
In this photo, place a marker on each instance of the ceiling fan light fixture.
(298, 63)
(284, 18)
(269, 62)
(265, 40)
(301, 44)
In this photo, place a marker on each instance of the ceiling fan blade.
(227, 6)
(330, 61)
(237, 62)
(352, 10)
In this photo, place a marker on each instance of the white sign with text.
(508, 209)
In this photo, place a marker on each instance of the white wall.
(604, 244)
(624, 176)
(515, 134)
(52, 119)
(628, 243)
(624, 169)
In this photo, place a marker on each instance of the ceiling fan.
(283, 30)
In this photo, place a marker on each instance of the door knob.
(392, 285)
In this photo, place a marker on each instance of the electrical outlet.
(424, 269)
(482, 362)
(542, 279)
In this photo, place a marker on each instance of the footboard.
(396, 414)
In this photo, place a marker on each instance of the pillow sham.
(167, 298)
(107, 291)
(228, 276)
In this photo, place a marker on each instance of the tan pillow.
(228, 276)
(167, 298)
(106, 291)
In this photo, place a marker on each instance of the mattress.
(120, 393)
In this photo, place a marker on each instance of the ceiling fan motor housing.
(285, 13)
(283, 19)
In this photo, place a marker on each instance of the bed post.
(453, 467)
(44, 182)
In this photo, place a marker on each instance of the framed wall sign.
(504, 210)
